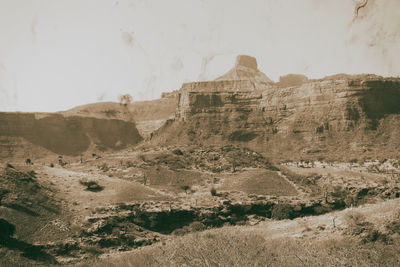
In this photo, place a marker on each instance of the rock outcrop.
(292, 80)
(246, 70)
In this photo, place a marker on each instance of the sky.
(57, 54)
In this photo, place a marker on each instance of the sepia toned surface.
(199, 133)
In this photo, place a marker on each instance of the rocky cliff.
(65, 135)
(337, 116)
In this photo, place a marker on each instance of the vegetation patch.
(91, 185)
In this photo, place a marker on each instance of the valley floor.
(189, 206)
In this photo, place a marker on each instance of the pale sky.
(57, 54)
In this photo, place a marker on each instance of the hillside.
(66, 135)
(95, 127)
(148, 115)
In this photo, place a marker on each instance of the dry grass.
(227, 247)
(173, 180)
(258, 181)
(277, 243)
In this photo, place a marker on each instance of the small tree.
(125, 99)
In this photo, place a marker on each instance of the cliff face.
(341, 115)
(68, 135)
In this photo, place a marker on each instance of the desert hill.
(147, 115)
(65, 135)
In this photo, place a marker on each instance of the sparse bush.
(10, 166)
(93, 250)
(339, 192)
(359, 226)
(177, 152)
(104, 167)
(355, 160)
(91, 185)
(110, 112)
(355, 219)
(393, 227)
(180, 232)
(351, 200)
(185, 188)
(197, 226)
(32, 173)
(130, 164)
(282, 211)
(51, 165)
(213, 192)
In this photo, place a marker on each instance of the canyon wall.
(338, 115)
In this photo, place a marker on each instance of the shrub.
(110, 112)
(177, 152)
(393, 226)
(104, 167)
(339, 192)
(282, 211)
(197, 226)
(213, 192)
(10, 166)
(180, 232)
(355, 219)
(32, 173)
(129, 164)
(51, 165)
(185, 188)
(142, 158)
(91, 185)
(355, 160)
(359, 226)
(92, 249)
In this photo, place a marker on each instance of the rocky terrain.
(241, 151)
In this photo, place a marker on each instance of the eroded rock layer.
(337, 115)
